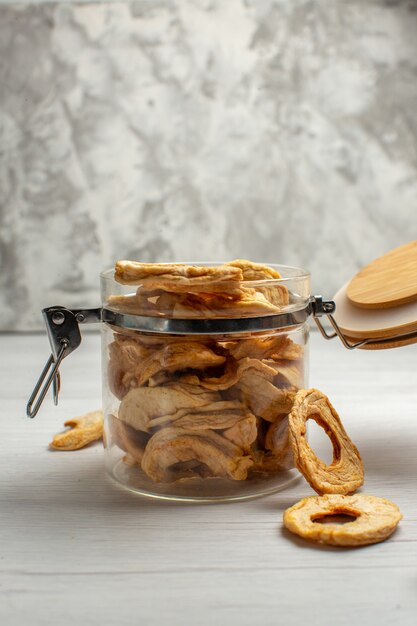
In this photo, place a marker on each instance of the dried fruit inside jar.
(203, 407)
(198, 415)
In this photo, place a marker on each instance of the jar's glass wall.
(201, 417)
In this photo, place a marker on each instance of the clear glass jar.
(196, 395)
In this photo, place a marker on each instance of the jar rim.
(126, 306)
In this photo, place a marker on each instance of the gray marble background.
(277, 130)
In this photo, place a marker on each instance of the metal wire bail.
(41, 387)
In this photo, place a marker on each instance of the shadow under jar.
(197, 388)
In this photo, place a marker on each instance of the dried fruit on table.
(345, 474)
(83, 430)
(375, 519)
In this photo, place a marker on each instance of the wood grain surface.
(388, 281)
(76, 549)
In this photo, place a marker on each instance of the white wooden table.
(77, 549)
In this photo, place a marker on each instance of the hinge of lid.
(320, 307)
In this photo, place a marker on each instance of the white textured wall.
(159, 130)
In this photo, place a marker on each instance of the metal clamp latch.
(320, 307)
(64, 336)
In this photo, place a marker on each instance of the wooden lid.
(380, 302)
(389, 281)
(359, 324)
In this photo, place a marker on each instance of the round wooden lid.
(389, 281)
(358, 323)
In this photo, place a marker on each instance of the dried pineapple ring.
(84, 429)
(345, 473)
(376, 519)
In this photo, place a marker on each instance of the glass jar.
(196, 391)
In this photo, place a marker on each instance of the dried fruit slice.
(83, 430)
(125, 355)
(162, 378)
(170, 446)
(262, 397)
(134, 304)
(128, 439)
(243, 433)
(278, 442)
(272, 451)
(254, 271)
(272, 347)
(232, 374)
(142, 404)
(265, 462)
(229, 378)
(288, 373)
(345, 474)
(291, 351)
(215, 416)
(277, 295)
(253, 302)
(199, 291)
(177, 276)
(177, 356)
(375, 519)
(240, 302)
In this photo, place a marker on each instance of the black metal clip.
(64, 337)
